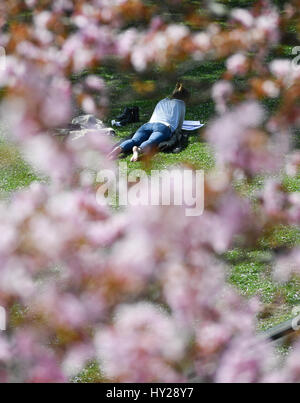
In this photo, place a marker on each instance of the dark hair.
(181, 93)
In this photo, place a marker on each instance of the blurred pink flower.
(281, 68)
(141, 346)
(221, 93)
(287, 265)
(95, 83)
(293, 164)
(245, 361)
(243, 16)
(237, 64)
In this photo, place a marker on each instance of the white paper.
(192, 125)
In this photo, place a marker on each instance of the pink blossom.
(274, 199)
(203, 41)
(44, 152)
(5, 350)
(290, 373)
(142, 342)
(287, 265)
(56, 109)
(126, 41)
(293, 164)
(221, 92)
(231, 138)
(88, 105)
(271, 89)
(245, 362)
(281, 68)
(237, 64)
(95, 83)
(243, 16)
(268, 23)
(76, 359)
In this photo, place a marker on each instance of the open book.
(192, 125)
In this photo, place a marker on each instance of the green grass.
(90, 374)
(14, 172)
(249, 270)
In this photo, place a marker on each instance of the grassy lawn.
(249, 270)
(14, 172)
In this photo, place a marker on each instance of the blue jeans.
(148, 136)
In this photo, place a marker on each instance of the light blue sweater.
(170, 112)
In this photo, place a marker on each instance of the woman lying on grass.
(167, 118)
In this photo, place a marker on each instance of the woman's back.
(170, 111)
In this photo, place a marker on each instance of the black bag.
(130, 115)
(176, 144)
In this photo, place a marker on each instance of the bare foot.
(136, 154)
(115, 153)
